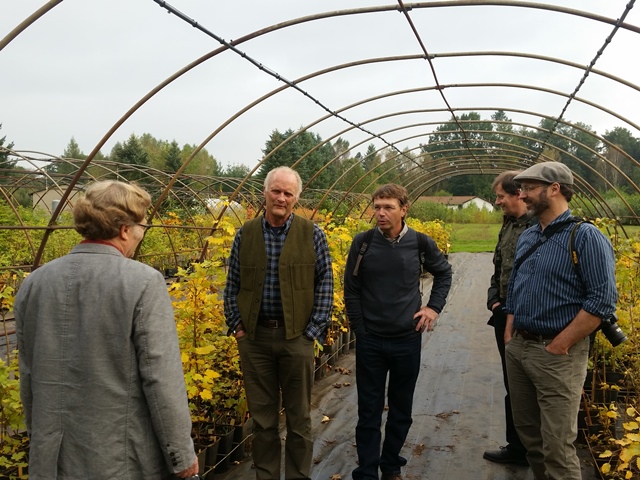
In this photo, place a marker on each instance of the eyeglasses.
(145, 227)
(530, 188)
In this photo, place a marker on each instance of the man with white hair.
(278, 301)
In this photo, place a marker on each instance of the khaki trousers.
(545, 398)
(270, 365)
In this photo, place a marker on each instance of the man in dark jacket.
(516, 220)
(384, 305)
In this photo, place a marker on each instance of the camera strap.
(546, 234)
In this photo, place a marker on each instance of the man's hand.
(191, 471)
(580, 327)
(240, 331)
(425, 319)
(508, 330)
(554, 348)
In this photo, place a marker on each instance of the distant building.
(457, 202)
(48, 199)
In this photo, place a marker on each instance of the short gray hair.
(283, 169)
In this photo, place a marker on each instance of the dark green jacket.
(296, 269)
(504, 255)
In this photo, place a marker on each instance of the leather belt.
(534, 336)
(270, 323)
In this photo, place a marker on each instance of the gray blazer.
(100, 371)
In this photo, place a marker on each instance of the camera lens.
(613, 333)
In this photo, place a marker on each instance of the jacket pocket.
(247, 278)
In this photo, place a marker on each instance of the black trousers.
(379, 358)
(499, 320)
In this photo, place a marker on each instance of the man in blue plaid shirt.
(277, 302)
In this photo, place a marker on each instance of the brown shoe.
(391, 476)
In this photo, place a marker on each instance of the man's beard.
(540, 206)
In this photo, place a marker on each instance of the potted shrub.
(210, 357)
(14, 443)
(192, 302)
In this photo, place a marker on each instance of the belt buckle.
(271, 323)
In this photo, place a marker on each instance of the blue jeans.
(375, 358)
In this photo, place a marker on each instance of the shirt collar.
(397, 239)
(284, 228)
(560, 218)
(523, 220)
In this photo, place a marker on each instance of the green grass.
(482, 237)
(474, 237)
(632, 230)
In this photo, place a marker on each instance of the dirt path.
(458, 406)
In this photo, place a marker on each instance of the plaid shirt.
(271, 306)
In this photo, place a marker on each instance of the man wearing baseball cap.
(552, 308)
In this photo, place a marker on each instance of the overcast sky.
(84, 64)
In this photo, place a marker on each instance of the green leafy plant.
(14, 443)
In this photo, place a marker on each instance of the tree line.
(337, 166)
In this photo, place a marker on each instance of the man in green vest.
(277, 301)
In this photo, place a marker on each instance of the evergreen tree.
(371, 159)
(6, 163)
(294, 149)
(131, 153)
(64, 166)
(172, 157)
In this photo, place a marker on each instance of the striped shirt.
(271, 306)
(546, 292)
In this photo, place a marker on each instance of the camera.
(612, 331)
